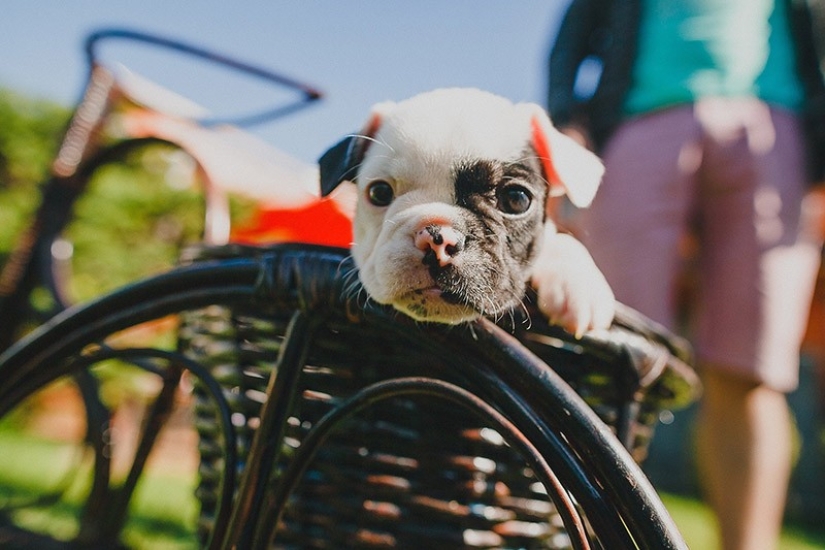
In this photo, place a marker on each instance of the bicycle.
(119, 113)
(315, 413)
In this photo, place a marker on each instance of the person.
(708, 115)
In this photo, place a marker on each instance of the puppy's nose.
(440, 243)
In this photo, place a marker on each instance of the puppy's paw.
(572, 292)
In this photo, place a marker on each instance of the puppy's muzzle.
(440, 244)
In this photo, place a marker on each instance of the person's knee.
(724, 383)
(730, 396)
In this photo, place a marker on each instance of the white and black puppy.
(451, 220)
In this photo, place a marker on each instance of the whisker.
(372, 139)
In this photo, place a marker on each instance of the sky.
(357, 52)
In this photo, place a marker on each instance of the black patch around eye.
(475, 178)
(504, 186)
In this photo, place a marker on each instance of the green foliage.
(29, 133)
(131, 221)
(29, 130)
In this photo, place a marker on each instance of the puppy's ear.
(340, 162)
(568, 167)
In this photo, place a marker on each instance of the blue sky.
(357, 52)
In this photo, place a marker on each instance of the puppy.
(451, 220)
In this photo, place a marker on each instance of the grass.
(163, 512)
(696, 523)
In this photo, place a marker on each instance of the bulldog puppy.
(451, 220)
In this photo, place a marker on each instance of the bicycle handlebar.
(309, 94)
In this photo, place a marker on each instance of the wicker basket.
(413, 472)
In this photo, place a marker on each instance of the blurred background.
(358, 53)
(139, 213)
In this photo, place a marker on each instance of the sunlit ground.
(162, 515)
(164, 511)
(696, 524)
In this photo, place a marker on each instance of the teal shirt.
(697, 48)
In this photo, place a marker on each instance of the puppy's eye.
(514, 199)
(380, 193)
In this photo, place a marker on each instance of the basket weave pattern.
(410, 472)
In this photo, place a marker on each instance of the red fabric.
(318, 223)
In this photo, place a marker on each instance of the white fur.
(414, 149)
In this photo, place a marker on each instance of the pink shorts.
(731, 171)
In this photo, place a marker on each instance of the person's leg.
(757, 280)
(744, 450)
(744, 429)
